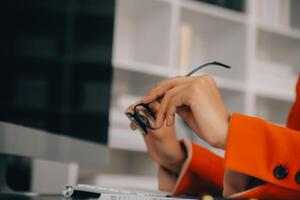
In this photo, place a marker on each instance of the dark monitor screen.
(56, 68)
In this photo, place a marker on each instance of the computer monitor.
(55, 79)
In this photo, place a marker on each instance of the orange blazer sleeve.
(268, 152)
(255, 148)
(201, 173)
(265, 151)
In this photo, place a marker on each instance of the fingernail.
(168, 123)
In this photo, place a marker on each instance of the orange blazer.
(262, 160)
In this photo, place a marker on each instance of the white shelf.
(142, 26)
(284, 31)
(216, 39)
(140, 67)
(277, 48)
(126, 139)
(273, 109)
(230, 84)
(234, 100)
(275, 93)
(214, 11)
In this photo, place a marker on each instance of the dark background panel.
(55, 57)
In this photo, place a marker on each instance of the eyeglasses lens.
(145, 116)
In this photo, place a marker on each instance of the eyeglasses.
(144, 118)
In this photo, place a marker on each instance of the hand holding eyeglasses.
(198, 101)
(186, 96)
(162, 144)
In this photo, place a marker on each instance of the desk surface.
(35, 197)
(53, 197)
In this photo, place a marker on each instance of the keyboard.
(90, 191)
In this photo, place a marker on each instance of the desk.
(36, 197)
(55, 197)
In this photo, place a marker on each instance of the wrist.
(175, 164)
(224, 134)
(218, 134)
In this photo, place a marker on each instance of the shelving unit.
(139, 27)
(147, 41)
(212, 35)
(265, 109)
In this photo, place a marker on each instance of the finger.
(170, 119)
(160, 88)
(163, 87)
(154, 106)
(133, 126)
(174, 103)
(161, 114)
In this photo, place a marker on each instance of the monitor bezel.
(29, 142)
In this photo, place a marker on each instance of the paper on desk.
(106, 196)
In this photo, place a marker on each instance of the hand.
(162, 144)
(198, 101)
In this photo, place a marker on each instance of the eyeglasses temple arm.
(205, 65)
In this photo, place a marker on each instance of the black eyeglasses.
(144, 118)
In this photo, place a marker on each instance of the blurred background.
(157, 39)
(145, 42)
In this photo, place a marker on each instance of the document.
(106, 196)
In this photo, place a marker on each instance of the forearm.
(168, 153)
